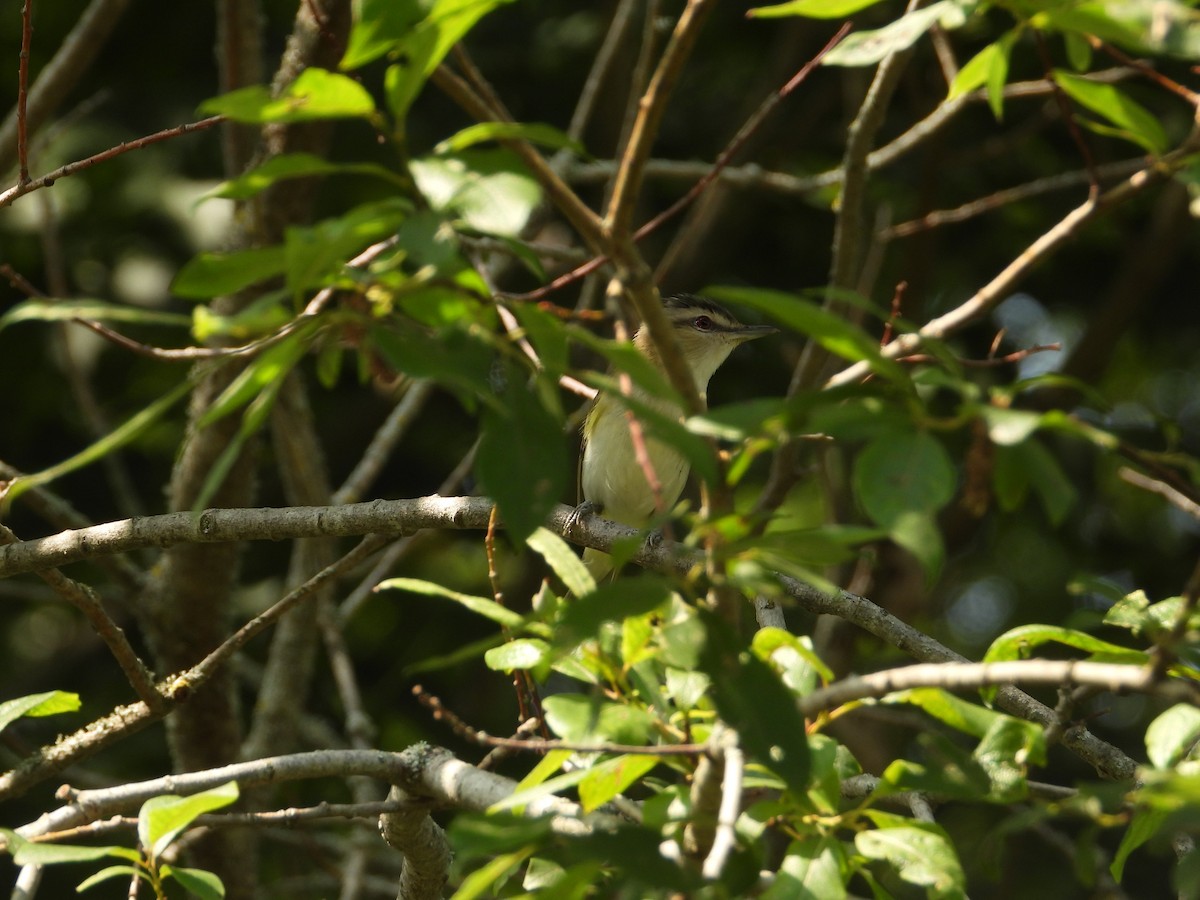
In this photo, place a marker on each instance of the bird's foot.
(584, 510)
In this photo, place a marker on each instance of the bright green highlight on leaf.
(295, 165)
(534, 132)
(50, 703)
(812, 9)
(315, 94)
(865, 48)
(162, 819)
(483, 606)
(1172, 735)
(95, 310)
(1132, 120)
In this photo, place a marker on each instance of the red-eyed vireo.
(612, 478)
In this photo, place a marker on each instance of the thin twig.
(601, 65)
(83, 598)
(28, 186)
(543, 745)
(1044, 246)
(23, 92)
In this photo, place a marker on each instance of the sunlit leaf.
(812, 9)
(577, 718)
(420, 49)
(605, 781)
(1172, 735)
(217, 274)
(315, 94)
(483, 606)
(95, 310)
(162, 819)
(1131, 119)
(378, 26)
(489, 190)
(523, 653)
(28, 853)
(295, 165)
(50, 703)
(534, 132)
(199, 883)
(865, 48)
(989, 67)
(919, 852)
(563, 560)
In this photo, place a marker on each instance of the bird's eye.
(703, 323)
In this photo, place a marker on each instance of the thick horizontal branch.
(972, 676)
(405, 516)
(421, 770)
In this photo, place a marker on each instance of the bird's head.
(707, 333)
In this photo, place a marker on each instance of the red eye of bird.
(703, 323)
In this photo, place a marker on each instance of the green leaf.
(1172, 735)
(1144, 825)
(920, 853)
(267, 369)
(488, 190)
(217, 274)
(315, 94)
(686, 688)
(454, 357)
(197, 882)
(1017, 643)
(94, 310)
(533, 132)
(605, 781)
(294, 165)
(28, 853)
(50, 703)
(1079, 51)
(315, 254)
(633, 596)
(574, 717)
(811, 870)
(865, 48)
(903, 471)
(988, 67)
(793, 656)
(110, 872)
(1132, 120)
(812, 9)
(422, 48)
(483, 606)
(522, 653)
(162, 819)
(563, 560)
(522, 459)
(1163, 27)
(831, 331)
(378, 26)
(110, 443)
(752, 699)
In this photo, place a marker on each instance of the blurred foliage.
(986, 504)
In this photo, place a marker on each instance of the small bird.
(612, 479)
